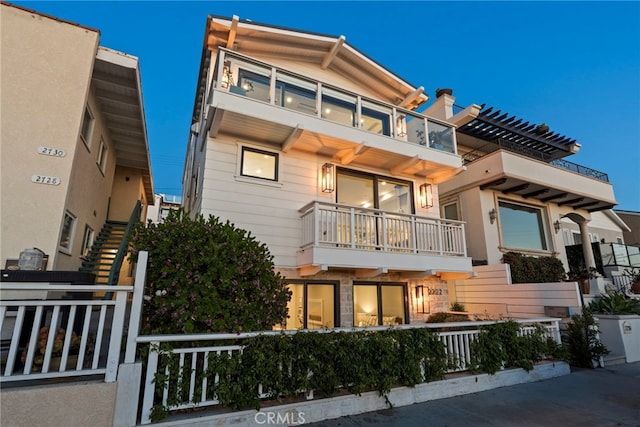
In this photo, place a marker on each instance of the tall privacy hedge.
(205, 275)
(529, 269)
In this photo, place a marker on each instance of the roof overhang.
(117, 87)
(328, 52)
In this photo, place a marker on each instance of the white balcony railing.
(262, 82)
(332, 224)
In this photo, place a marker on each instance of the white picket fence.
(195, 359)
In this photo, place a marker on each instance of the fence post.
(149, 384)
(136, 306)
(117, 326)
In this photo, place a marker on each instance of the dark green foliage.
(528, 269)
(444, 317)
(615, 303)
(581, 339)
(207, 276)
(456, 306)
(502, 346)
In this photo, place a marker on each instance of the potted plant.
(583, 276)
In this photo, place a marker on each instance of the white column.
(587, 251)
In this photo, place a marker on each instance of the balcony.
(255, 101)
(335, 235)
(508, 172)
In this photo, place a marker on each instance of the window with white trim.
(87, 126)
(260, 164)
(102, 155)
(68, 228)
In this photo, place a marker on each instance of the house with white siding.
(321, 153)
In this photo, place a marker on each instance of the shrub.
(456, 306)
(528, 269)
(207, 276)
(615, 302)
(581, 339)
(444, 317)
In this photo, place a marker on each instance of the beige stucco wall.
(127, 189)
(46, 69)
(59, 405)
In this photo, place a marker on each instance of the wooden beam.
(214, 123)
(352, 154)
(292, 138)
(584, 205)
(411, 97)
(555, 197)
(311, 270)
(536, 193)
(494, 183)
(404, 165)
(516, 188)
(330, 56)
(572, 201)
(233, 30)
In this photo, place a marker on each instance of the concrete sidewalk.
(587, 397)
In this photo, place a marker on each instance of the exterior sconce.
(227, 76)
(493, 215)
(426, 196)
(420, 299)
(401, 126)
(328, 178)
(556, 226)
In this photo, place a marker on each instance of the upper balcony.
(256, 101)
(375, 241)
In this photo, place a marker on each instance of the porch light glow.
(426, 196)
(227, 77)
(420, 299)
(401, 125)
(328, 178)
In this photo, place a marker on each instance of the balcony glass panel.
(375, 119)
(441, 137)
(416, 131)
(297, 94)
(253, 85)
(338, 107)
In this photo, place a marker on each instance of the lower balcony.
(378, 242)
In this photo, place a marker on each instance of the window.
(87, 126)
(312, 306)
(450, 211)
(259, 164)
(379, 303)
(374, 191)
(102, 155)
(522, 226)
(87, 240)
(68, 227)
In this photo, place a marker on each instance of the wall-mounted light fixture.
(401, 125)
(328, 178)
(426, 196)
(493, 215)
(420, 299)
(227, 75)
(556, 226)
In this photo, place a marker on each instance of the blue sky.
(572, 65)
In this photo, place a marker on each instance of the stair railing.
(114, 272)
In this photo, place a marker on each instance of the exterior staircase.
(101, 257)
(109, 250)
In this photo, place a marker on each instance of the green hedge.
(529, 269)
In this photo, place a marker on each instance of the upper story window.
(87, 126)
(68, 229)
(450, 211)
(87, 240)
(102, 155)
(522, 226)
(259, 164)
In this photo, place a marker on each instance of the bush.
(581, 339)
(528, 269)
(444, 317)
(615, 302)
(207, 276)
